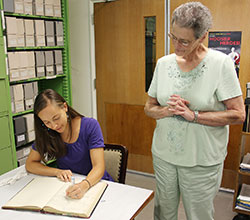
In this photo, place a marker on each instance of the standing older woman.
(194, 95)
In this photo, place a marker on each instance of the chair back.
(116, 157)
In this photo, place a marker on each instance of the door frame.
(92, 47)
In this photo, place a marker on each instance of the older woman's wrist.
(169, 113)
(196, 115)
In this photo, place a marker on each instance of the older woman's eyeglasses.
(182, 42)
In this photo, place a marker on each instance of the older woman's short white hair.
(193, 15)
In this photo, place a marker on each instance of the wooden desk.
(119, 201)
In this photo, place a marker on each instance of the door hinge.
(92, 19)
(95, 83)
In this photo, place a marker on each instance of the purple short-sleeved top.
(78, 158)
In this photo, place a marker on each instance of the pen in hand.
(72, 184)
(73, 180)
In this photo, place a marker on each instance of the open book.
(47, 194)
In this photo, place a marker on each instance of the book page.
(83, 207)
(36, 193)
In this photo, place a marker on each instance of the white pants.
(196, 185)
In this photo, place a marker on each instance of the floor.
(223, 201)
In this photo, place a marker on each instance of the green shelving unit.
(61, 83)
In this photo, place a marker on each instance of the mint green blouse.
(177, 140)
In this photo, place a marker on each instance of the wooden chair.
(116, 157)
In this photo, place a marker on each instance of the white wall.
(80, 47)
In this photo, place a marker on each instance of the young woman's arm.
(34, 165)
(98, 167)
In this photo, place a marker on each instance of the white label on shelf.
(20, 41)
(20, 138)
(40, 69)
(50, 39)
(60, 38)
(23, 73)
(49, 10)
(31, 72)
(49, 68)
(19, 7)
(39, 9)
(14, 74)
(28, 9)
(19, 106)
(30, 41)
(12, 42)
(41, 41)
(57, 11)
(29, 102)
(59, 68)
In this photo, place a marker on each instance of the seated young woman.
(75, 141)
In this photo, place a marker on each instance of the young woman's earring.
(45, 127)
(68, 118)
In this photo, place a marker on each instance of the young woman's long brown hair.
(48, 142)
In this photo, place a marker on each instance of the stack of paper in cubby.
(243, 200)
(245, 164)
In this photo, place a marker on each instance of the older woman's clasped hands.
(179, 106)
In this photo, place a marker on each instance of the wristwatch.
(196, 113)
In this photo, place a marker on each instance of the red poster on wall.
(228, 43)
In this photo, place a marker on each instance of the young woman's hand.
(64, 175)
(77, 190)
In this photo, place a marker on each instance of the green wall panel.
(4, 106)
(4, 133)
(2, 59)
(6, 160)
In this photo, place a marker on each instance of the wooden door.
(120, 74)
